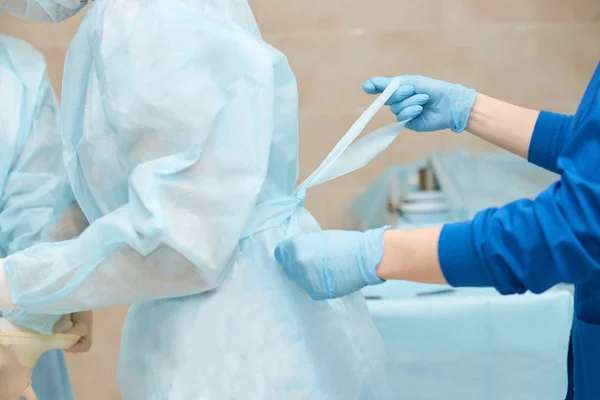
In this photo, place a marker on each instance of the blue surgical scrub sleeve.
(535, 244)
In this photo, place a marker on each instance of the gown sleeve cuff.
(461, 264)
(548, 138)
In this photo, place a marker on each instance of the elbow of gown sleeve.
(548, 139)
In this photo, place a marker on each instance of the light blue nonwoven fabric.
(473, 344)
(50, 11)
(181, 144)
(33, 186)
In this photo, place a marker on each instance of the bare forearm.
(411, 255)
(505, 125)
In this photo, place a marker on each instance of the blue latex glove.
(332, 264)
(433, 105)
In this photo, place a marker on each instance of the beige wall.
(537, 53)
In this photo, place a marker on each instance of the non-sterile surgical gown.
(34, 190)
(180, 138)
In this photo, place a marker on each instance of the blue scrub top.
(535, 244)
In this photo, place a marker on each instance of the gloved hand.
(82, 327)
(434, 105)
(15, 373)
(332, 264)
(79, 324)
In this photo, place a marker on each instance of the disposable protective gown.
(34, 189)
(50, 11)
(181, 143)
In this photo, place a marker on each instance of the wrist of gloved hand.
(462, 100)
(371, 252)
